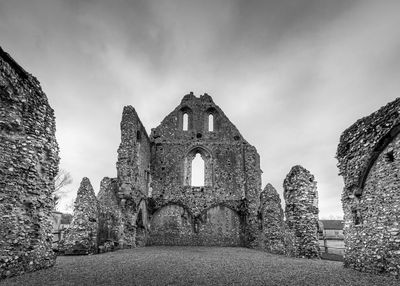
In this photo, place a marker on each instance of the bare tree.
(62, 179)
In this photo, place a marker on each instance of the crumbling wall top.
(362, 142)
(205, 121)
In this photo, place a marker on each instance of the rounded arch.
(222, 204)
(171, 224)
(173, 203)
(221, 225)
(379, 148)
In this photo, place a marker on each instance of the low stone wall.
(300, 192)
(28, 163)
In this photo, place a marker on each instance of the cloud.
(291, 75)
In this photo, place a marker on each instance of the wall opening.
(185, 122)
(390, 156)
(210, 122)
(198, 171)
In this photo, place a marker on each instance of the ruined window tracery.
(197, 172)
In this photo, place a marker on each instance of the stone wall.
(301, 197)
(232, 176)
(81, 236)
(133, 172)
(28, 164)
(111, 227)
(133, 166)
(368, 156)
(272, 222)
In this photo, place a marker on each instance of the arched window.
(198, 171)
(210, 122)
(185, 122)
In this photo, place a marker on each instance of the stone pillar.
(273, 230)
(253, 190)
(81, 236)
(301, 197)
(28, 164)
(111, 226)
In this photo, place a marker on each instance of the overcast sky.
(291, 75)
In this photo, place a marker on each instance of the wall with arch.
(232, 174)
(369, 161)
(174, 225)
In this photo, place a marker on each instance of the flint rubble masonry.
(81, 236)
(28, 164)
(369, 161)
(301, 197)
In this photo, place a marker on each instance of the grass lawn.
(195, 266)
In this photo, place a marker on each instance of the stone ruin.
(28, 164)
(272, 222)
(369, 161)
(301, 196)
(155, 200)
(81, 236)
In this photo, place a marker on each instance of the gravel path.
(195, 266)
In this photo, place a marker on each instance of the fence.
(332, 248)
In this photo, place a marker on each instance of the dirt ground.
(195, 266)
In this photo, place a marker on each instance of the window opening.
(185, 122)
(390, 156)
(210, 122)
(197, 171)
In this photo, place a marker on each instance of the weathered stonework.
(272, 221)
(301, 197)
(224, 210)
(28, 164)
(368, 156)
(81, 236)
(110, 233)
(133, 174)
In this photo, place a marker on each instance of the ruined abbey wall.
(111, 226)
(229, 199)
(272, 222)
(153, 200)
(133, 165)
(81, 236)
(301, 197)
(368, 156)
(28, 164)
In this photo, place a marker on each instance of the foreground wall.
(28, 163)
(369, 161)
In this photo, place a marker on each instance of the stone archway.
(220, 225)
(171, 225)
